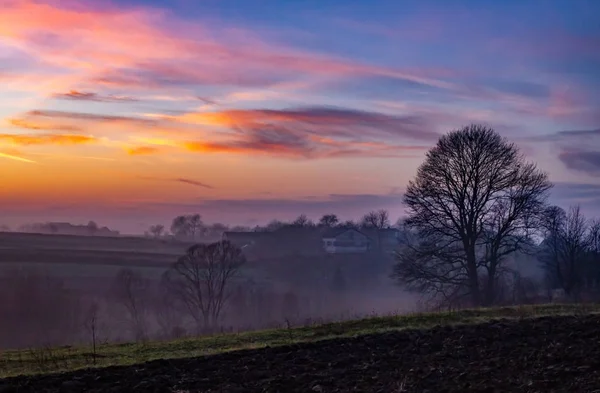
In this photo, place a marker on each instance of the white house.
(345, 240)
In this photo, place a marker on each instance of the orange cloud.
(241, 147)
(47, 139)
(320, 121)
(142, 150)
(108, 126)
(23, 123)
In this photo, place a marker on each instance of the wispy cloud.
(586, 161)
(142, 150)
(15, 156)
(181, 180)
(192, 182)
(312, 132)
(86, 116)
(340, 122)
(135, 48)
(90, 96)
(47, 139)
(29, 125)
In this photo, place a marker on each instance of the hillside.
(526, 349)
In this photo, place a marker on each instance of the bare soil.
(547, 354)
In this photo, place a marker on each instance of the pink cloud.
(136, 46)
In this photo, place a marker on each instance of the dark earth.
(550, 354)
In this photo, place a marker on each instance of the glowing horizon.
(132, 112)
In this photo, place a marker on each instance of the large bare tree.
(200, 279)
(474, 201)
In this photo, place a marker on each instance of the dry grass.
(44, 360)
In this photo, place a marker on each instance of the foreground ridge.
(545, 354)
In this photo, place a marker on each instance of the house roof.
(335, 232)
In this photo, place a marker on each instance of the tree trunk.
(473, 278)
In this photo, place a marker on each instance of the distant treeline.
(64, 228)
(191, 226)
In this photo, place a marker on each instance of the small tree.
(92, 227)
(565, 250)
(302, 221)
(130, 290)
(329, 220)
(201, 278)
(379, 219)
(167, 308)
(157, 230)
(90, 323)
(595, 236)
(187, 226)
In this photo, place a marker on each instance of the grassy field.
(46, 360)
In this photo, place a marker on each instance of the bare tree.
(130, 290)
(379, 219)
(349, 224)
(329, 220)
(167, 308)
(157, 230)
(474, 201)
(187, 226)
(92, 227)
(201, 278)
(90, 323)
(595, 236)
(566, 247)
(302, 221)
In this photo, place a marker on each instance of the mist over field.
(92, 283)
(53, 284)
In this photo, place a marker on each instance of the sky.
(130, 112)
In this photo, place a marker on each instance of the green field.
(44, 360)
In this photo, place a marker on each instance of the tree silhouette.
(302, 221)
(569, 243)
(187, 226)
(379, 219)
(474, 201)
(130, 290)
(200, 279)
(157, 230)
(329, 220)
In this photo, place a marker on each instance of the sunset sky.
(129, 112)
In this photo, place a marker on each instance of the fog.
(65, 284)
(63, 288)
